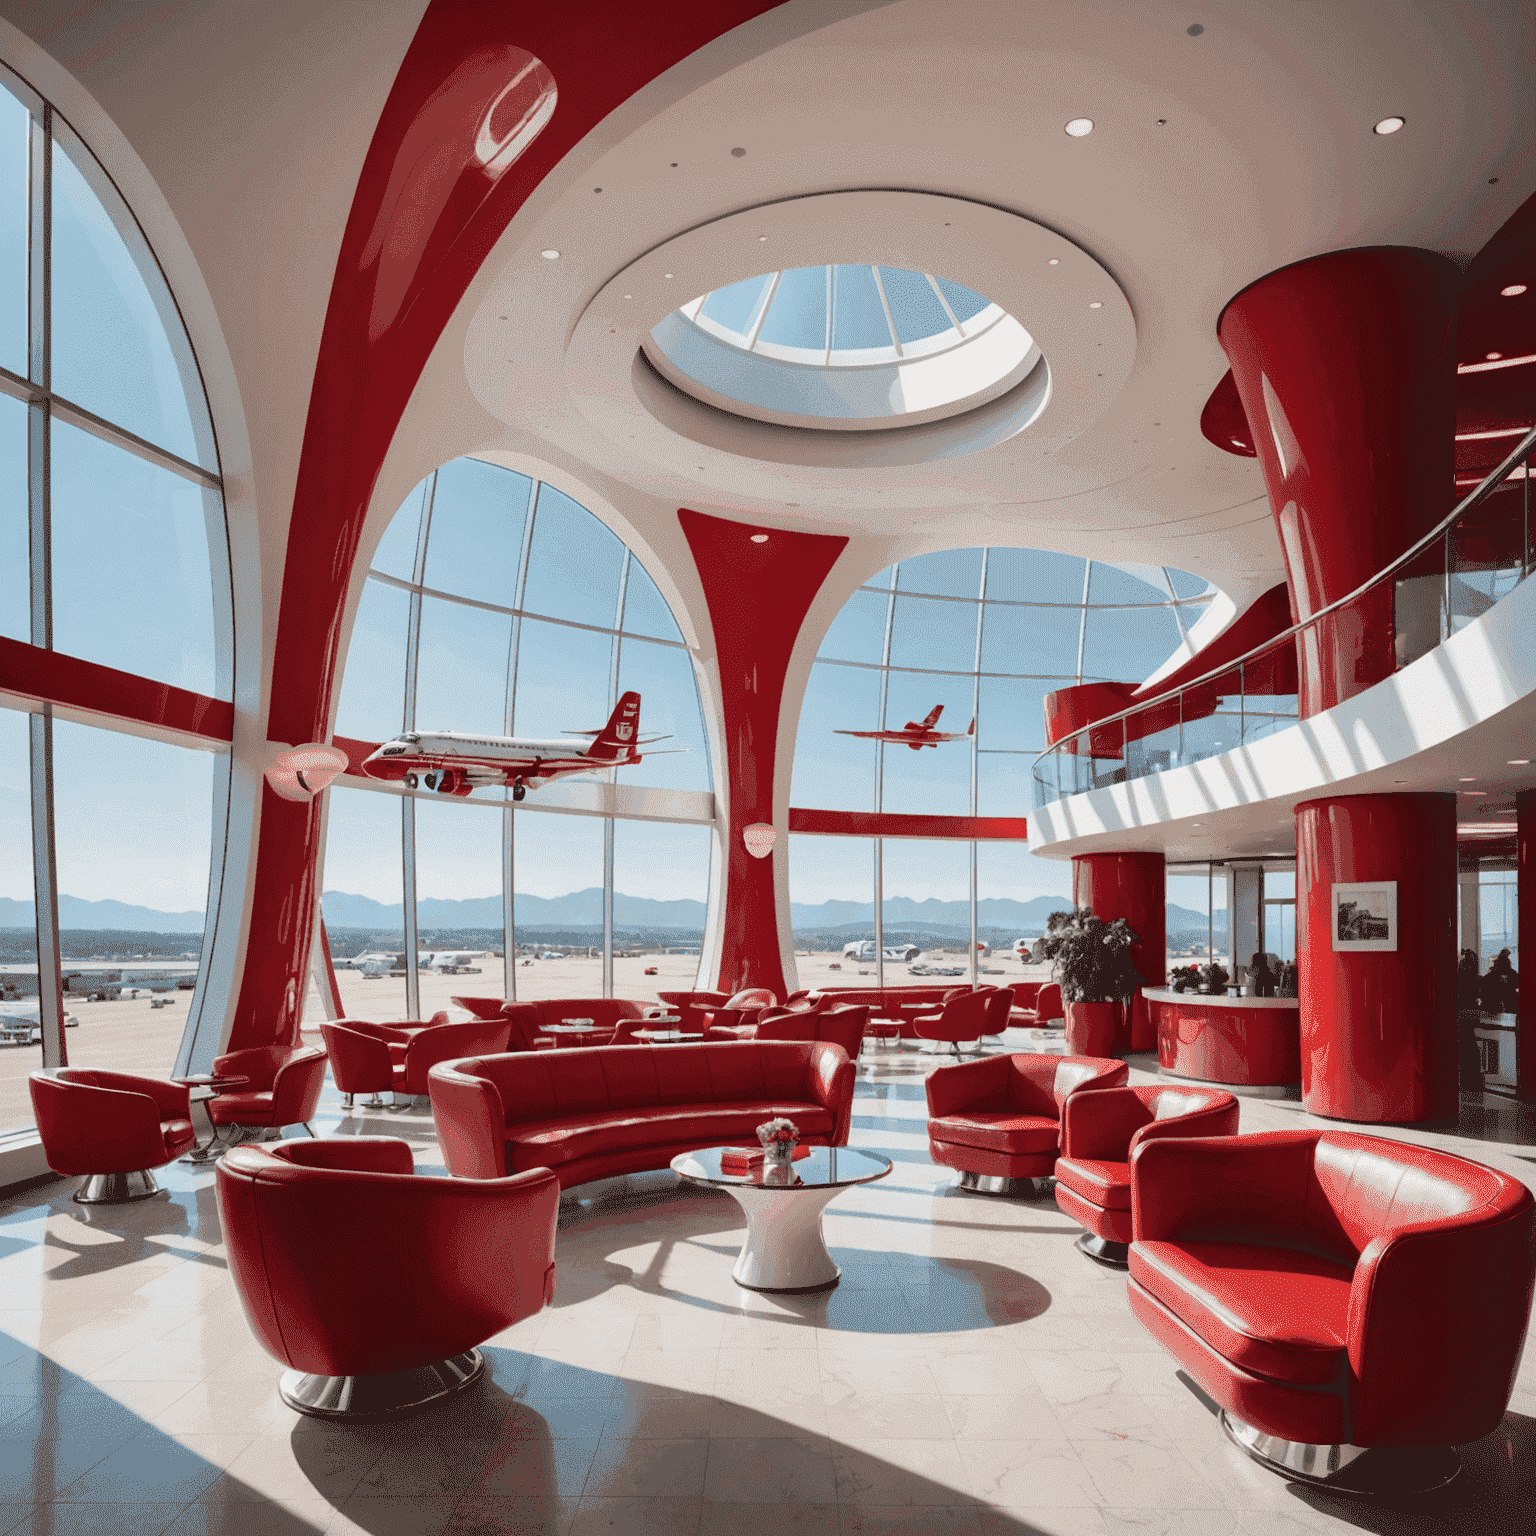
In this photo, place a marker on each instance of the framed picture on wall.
(1365, 915)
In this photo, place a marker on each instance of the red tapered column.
(1525, 926)
(1133, 886)
(758, 595)
(1378, 1028)
(1346, 366)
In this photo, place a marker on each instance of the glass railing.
(1481, 552)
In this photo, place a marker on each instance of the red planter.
(1091, 1029)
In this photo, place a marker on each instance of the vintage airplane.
(453, 764)
(917, 733)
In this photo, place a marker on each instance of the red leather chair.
(840, 1026)
(362, 1062)
(112, 1127)
(283, 1087)
(798, 1007)
(739, 1008)
(963, 1017)
(999, 1010)
(1047, 1008)
(998, 1119)
(481, 1007)
(1336, 1294)
(374, 1286)
(1100, 1133)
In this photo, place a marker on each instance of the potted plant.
(1092, 963)
(1184, 978)
(1214, 978)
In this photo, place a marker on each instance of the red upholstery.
(839, 1026)
(1045, 1007)
(1101, 1131)
(481, 1007)
(360, 1062)
(349, 1265)
(886, 1002)
(444, 1042)
(108, 1122)
(1335, 1288)
(605, 1012)
(963, 1017)
(593, 1113)
(999, 1010)
(284, 1089)
(1001, 1115)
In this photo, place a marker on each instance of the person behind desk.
(1261, 979)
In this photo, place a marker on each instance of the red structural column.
(1378, 1028)
(758, 595)
(1525, 927)
(1133, 886)
(1346, 366)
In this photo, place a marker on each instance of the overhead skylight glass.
(846, 347)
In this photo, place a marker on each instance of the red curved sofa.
(594, 1113)
(374, 1285)
(1334, 1291)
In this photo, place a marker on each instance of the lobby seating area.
(971, 1372)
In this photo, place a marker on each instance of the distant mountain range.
(583, 909)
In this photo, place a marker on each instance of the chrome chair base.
(373, 1101)
(356, 1398)
(1353, 1471)
(1102, 1251)
(117, 1188)
(998, 1184)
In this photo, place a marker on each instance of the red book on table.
(745, 1159)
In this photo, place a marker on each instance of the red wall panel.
(1133, 886)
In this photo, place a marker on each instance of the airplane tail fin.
(970, 730)
(933, 718)
(616, 741)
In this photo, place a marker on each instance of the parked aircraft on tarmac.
(454, 764)
(917, 733)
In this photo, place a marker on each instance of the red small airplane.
(917, 733)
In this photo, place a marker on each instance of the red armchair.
(1046, 1010)
(1336, 1294)
(998, 1119)
(1100, 1133)
(798, 1007)
(364, 1062)
(839, 1026)
(283, 1087)
(374, 1286)
(963, 1017)
(112, 1127)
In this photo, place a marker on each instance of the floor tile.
(763, 1471)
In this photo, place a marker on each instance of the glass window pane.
(557, 883)
(15, 126)
(831, 905)
(563, 680)
(660, 894)
(1041, 642)
(1185, 585)
(363, 901)
(372, 706)
(927, 900)
(396, 554)
(915, 308)
(946, 573)
(18, 932)
(798, 315)
(1128, 644)
(834, 772)
(476, 537)
(15, 587)
(1004, 786)
(1034, 576)
(934, 781)
(645, 609)
(573, 565)
(669, 706)
(133, 820)
(1011, 715)
(1015, 893)
(132, 583)
(461, 669)
(964, 301)
(735, 308)
(458, 901)
(858, 317)
(1109, 584)
(934, 634)
(112, 350)
(858, 631)
(1188, 898)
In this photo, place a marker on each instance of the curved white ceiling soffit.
(1079, 319)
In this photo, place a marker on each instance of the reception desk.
(1251, 1045)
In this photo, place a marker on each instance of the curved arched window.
(986, 634)
(496, 605)
(113, 552)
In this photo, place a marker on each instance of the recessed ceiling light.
(1493, 357)
(1518, 762)
(1470, 778)
(1080, 127)
(629, 295)
(1481, 792)
(1096, 305)
(1197, 823)
(1055, 261)
(1513, 291)
(1389, 125)
(669, 274)
(759, 538)
(761, 238)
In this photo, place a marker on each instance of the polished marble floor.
(971, 1373)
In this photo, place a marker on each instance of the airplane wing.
(872, 735)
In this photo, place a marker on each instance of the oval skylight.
(846, 348)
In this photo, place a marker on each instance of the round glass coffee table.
(785, 1249)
